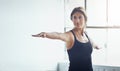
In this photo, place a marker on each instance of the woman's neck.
(79, 31)
(80, 35)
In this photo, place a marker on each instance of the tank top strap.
(73, 34)
(84, 32)
(87, 35)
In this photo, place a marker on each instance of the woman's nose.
(78, 20)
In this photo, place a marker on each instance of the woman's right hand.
(42, 34)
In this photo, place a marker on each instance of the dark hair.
(81, 10)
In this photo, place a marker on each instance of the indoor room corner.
(19, 19)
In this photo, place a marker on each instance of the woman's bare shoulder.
(68, 34)
(70, 40)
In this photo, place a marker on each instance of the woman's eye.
(80, 17)
(74, 17)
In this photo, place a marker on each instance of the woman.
(78, 44)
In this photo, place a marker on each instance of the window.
(103, 27)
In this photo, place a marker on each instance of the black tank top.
(80, 55)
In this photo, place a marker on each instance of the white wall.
(19, 19)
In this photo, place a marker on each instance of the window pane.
(99, 37)
(113, 56)
(96, 11)
(113, 12)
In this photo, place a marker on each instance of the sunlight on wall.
(113, 12)
(19, 19)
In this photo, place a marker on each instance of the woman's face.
(78, 20)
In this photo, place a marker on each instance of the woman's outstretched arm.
(95, 46)
(52, 35)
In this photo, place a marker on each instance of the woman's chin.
(78, 27)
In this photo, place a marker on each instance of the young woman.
(78, 44)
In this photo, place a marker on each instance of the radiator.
(105, 68)
(64, 67)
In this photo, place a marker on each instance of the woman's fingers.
(35, 35)
(97, 47)
(42, 34)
